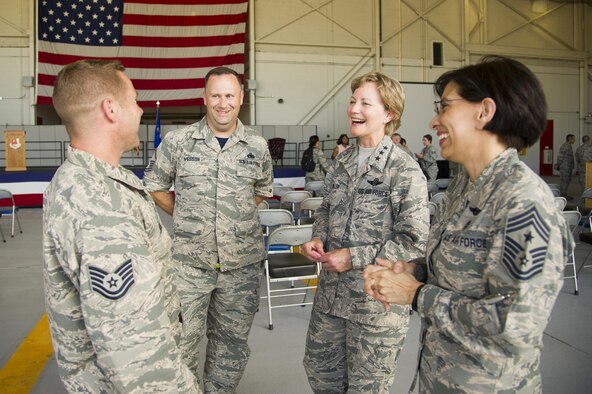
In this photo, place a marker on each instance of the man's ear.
(108, 109)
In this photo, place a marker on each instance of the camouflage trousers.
(222, 306)
(564, 179)
(346, 356)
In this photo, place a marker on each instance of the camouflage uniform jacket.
(500, 235)
(565, 159)
(215, 217)
(429, 163)
(110, 296)
(321, 166)
(583, 154)
(382, 213)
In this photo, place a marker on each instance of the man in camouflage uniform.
(565, 164)
(220, 171)
(113, 309)
(583, 154)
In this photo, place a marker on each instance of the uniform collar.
(203, 132)
(84, 159)
(490, 178)
(377, 160)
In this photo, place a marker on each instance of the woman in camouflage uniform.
(375, 205)
(497, 247)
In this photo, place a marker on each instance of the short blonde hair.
(391, 93)
(80, 85)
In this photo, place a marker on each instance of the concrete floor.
(276, 361)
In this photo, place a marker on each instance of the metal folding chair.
(307, 208)
(10, 210)
(288, 266)
(573, 221)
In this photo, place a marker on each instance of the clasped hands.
(391, 282)
(388, 282)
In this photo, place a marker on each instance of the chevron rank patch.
(112, 285)
(525, 244)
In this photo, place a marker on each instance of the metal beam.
(346, 78)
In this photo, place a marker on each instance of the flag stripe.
(185, 20)
(167, 46)
(149, 63)
(186, 2)
(184, 42)
(186, 31)
(153, 54)
(184, 9)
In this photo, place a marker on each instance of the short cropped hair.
(312, 141)
(521, 108)
(391, 93)
(570, 136)
(428, 137)
(81, 85)
(222, 71)
(586, 139)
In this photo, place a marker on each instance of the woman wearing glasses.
(497, 247)
(375, 205)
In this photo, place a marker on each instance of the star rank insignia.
(112, 285)
(526, 240)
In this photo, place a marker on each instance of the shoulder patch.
(112, 285)
(526, 240)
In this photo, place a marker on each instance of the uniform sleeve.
(408, 199)
(320, 226)
(263, 187)
(123, 302)
(323, 162)
(161, 170)
(521, 293)
(430, 156)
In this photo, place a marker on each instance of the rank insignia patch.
(112, 285)
(525, 244)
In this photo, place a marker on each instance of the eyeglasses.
(438, 104)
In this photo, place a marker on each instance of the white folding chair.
(560, 203)
(263, 205)
(288, 266)
(12, 209)
(292, 199)
(2, 232)
(315, 187)
(307, 208)
(573, 221)
(437, 198)
(433, 207)
(442, 183)
(271, 219)
(433, 188)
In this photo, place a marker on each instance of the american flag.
(167, 46)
